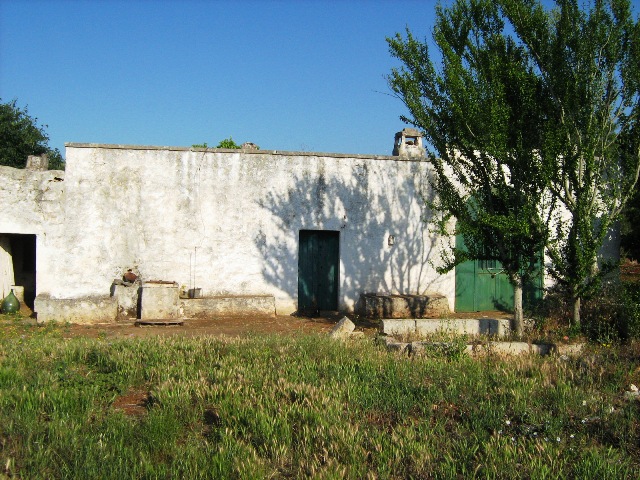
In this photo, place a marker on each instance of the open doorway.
(18, 264)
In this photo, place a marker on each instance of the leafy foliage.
(21, 136)
(530, 119)
(589, 62)
(481, 114)
(228, 143)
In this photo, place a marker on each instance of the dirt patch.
(134, 403)
(228, 326)
(240, 326)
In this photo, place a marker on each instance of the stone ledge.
(459, 326)
(232, 305)
(422, 348)
(85, 310)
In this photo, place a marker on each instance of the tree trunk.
(575, 322)
(518, 315)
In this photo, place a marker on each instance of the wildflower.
(584, 403)
(571, 436)
(558, 439)
(507, 422)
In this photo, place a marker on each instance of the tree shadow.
(368, 208)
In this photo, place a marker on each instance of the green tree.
(481, 114)
(630, 227)
(589, 62)
(228, 143)
(21, 136)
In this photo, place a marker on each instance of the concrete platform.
(232, 305)
(457, 326)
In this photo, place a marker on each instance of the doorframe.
(335, 300)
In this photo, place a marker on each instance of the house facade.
(292, 231)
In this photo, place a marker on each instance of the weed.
(308, 407)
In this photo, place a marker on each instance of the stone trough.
(377, 305)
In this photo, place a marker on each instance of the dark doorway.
(22, 249)
(318, 271)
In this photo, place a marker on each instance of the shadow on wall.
(365, 221)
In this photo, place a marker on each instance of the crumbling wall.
(32, 204)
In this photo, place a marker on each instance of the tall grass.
(284, 407)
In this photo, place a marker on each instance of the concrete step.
(457, 326)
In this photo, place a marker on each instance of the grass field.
(307, 407)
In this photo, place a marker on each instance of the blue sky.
(305, 75)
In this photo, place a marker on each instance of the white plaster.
(7, 278)
(230, 219)
(240, 215)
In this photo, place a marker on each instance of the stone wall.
(231, 219)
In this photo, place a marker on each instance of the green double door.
(483, 285)
(318, 270)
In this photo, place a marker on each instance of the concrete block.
(158, 300)
(570, 350)
(230, 305)
(38, 162)
(509, 348)
(430, 327)
(500, 327)
(398, 347)
(463, 326)
(377, 305)
(85, 310)
(399, 327)
(127, 299)
(342, 329)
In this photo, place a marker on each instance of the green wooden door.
(482, 285)
(492, 288)
(318, 270)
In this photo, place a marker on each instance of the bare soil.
(240, 326)
(227, 326)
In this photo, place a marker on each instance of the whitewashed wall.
(238, 214)
(31, 203)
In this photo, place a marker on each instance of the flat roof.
(233, 150)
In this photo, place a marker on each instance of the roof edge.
(227, 150)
